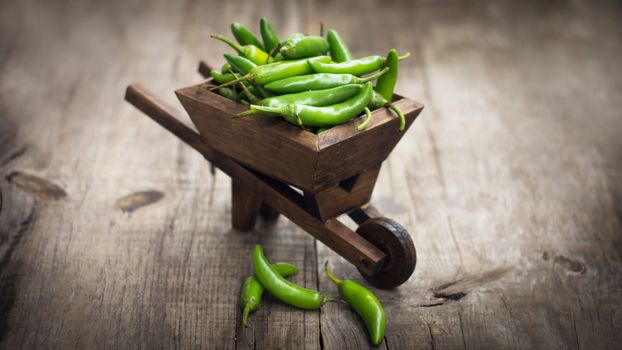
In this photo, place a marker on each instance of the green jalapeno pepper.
(252, 290)
(305, 46)
(221, 78)
(283, 289)
(386, 83)
(270, 39)
(327, 116)
(316, 98)
(278, 70)
(366, 305)
(317, 81)
(338, 49)
(252, 52)
(245, 36)
(356, 67)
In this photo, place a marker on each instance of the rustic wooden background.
(510, 183)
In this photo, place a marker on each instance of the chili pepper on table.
(245, 36)
(252, 290)
(305, 46)
(365, 303)
(317, 81)
(358, 67)
(270, 39)
(316, 98)
(283, 289)
(338, 48)
(252, 52)
(278, 70)
(327, 116)
(221, 78)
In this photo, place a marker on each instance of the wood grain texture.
(516, 162)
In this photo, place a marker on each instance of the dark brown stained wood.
(342, 198)
(269, 145)
(245, 205)
(344, 152)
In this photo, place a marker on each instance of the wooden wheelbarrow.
(277, 168)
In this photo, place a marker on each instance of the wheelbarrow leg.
(245, 205)
(268, 213)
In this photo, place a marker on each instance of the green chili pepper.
(252, 52)
(245, 102)
(316, 98)
(228, 93)
(356, 67)
(320, 130)
(226, 68)
(270, 39)
(386, 83)
(378, 101)
(317, 81)
(245, 36)
(366, 305)
(363, 125)
(302, 115)
(221, 78)
(278, 70)
(252, 290)
(306, 46)
(338, 49)
(283, 289)
(243, 66)
(247, 93)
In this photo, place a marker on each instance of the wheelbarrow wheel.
(401, 256)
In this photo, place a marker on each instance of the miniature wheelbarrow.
(277, 168)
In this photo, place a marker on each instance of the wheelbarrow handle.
(167, 116)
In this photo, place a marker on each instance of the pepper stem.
(232, 82)
(363, 125)
(229, 42)
(403, 57)
(245, 314)
(330, 275)
(374, 76)
(251, 97)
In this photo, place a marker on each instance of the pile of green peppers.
(272, 277)
(310, 81)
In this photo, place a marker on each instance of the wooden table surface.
(510, 182)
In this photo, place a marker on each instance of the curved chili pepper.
(356, 67)
(270, 39)
(316, 98)
(338, 49)
(305, 46)
(366, 305)
(221, 78)
(317, 81)
(386, 83)
(245, 36)
(252, 290)
(378, 101)
(278, 70)
(283, 289)
(363, 125)
(252, 52)
(327, 116)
